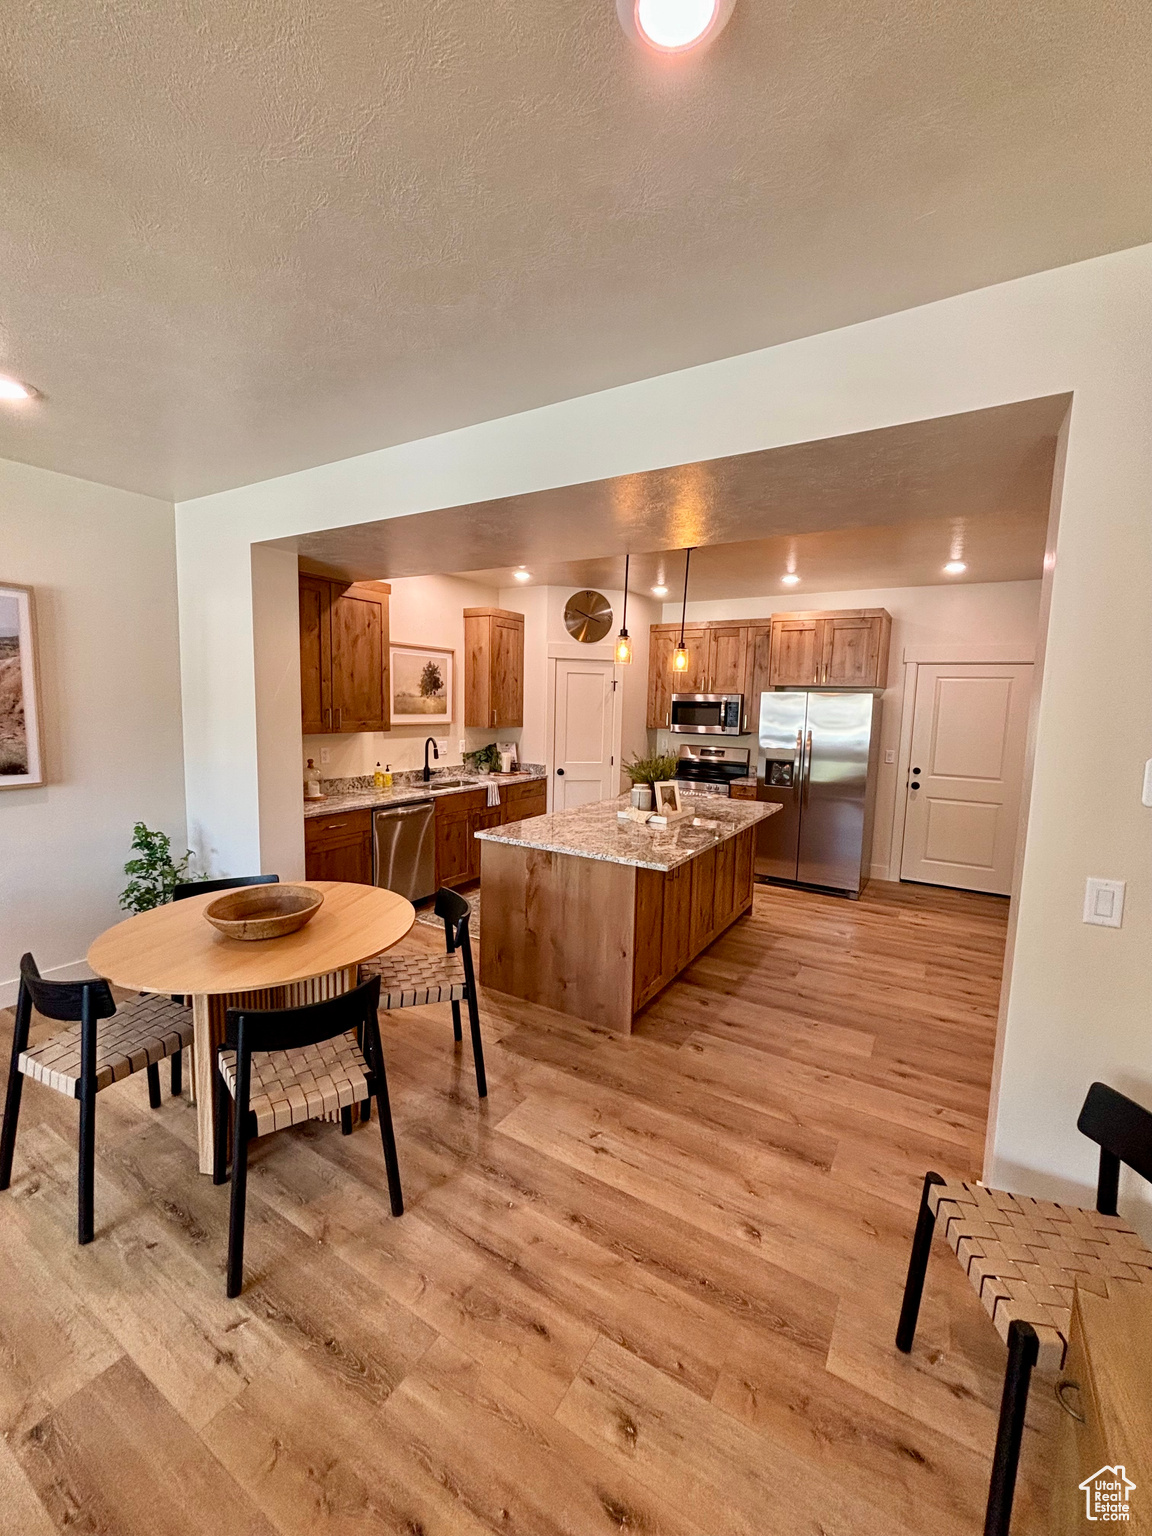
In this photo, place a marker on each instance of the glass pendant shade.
(624, 648)
(680, 659)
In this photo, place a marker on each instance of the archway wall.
(1077, 1007)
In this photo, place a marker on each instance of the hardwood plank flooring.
(651, 1285)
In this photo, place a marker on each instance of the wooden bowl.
(264, 911)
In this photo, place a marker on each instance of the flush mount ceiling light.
(673, 26)
(660, 591)
(955, 568)
(522, 575)
(12, 389)
(789, 579)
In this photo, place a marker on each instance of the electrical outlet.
(463, 748)
(1104, 903)
(325, 755)
(890, 754)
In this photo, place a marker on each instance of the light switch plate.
(1104, 903)
(890, 754)
(325, 754)
(1146, 797)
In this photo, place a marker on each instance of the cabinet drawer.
(524, 800)
(460, 807)
(337, 828)
(743, 791)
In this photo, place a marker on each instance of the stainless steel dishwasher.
(404, 850)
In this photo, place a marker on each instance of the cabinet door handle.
(327, 719)
(339, 719)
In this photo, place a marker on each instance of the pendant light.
(623, 640)
(680, 658)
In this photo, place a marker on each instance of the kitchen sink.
(452, 784)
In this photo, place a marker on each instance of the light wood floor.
(651, 1286)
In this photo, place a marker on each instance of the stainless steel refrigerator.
(818, 755)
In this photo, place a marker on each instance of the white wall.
(964, 615)
(102, 563)
(1078, 1000)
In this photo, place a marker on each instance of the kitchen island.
(593, 916)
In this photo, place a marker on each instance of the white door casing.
(584, 734)
(969, 727)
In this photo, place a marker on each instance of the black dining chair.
(188, 888)
(413, 981)
(283, 1066)
(90, 1056)
(1024, 1258)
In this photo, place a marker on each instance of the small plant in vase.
(154, 874)
(646, 771)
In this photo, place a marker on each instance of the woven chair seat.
(1024, 1257)
(411, 981)
(141, 1032)
(289, 1087)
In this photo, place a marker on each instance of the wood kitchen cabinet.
(493, 668)
(840, 649)
(727, 658)
(343, 656)
(339, 847)
(663, 682)
(459, 817)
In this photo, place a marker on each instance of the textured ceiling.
(986, 475)
(245, 237)
(1007, 546)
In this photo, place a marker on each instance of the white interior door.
(583, 758)
(966, 775)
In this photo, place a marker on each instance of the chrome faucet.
(431, 742)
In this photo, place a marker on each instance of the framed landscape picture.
(420, 685)
(21, 763)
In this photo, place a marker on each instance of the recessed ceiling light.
(955, 568)
(790, 579)
(12, 389)
(522, 575)
(673, 26)
(660, 591)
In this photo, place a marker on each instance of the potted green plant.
(154, 874)
(646, 771)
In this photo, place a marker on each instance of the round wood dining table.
(175, 949)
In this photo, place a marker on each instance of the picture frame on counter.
(21, 754)
(421, 684)
(667, 795)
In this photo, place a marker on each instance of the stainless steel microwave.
(707, 714)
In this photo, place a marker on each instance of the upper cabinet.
(343, 656)
(846, 648)
(493, 668)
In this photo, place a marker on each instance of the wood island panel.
(599, 940)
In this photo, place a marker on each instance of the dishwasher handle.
(405, 810)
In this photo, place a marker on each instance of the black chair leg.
(177, 1073)
(477, 1044)
(365, 1111)
(87, 1171)
(388, 1137)
(1023, 1349)
(917, 1267)
(236, 1211)
(346, 1119)
(14, 1091)
(221, 1099)
(153, 1085)
(456, 1033)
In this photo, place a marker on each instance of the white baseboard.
(75, 970)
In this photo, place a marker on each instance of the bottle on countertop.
(378, 777)
(312, 787)
(387, 775)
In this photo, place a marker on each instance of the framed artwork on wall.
(21, 760)
(420, 683)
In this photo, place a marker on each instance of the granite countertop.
(372, 799)
(594, 831)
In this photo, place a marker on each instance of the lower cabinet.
(680, 913)
(339, 847)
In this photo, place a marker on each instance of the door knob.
(915, 773)
(915, 783)
(559, 773)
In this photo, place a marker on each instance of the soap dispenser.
(378, 778)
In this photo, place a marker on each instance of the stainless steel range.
(710, 770)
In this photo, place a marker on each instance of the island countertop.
(595, 831)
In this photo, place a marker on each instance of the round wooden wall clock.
(588, 616)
